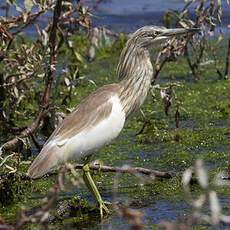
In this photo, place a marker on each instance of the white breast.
(104, 132)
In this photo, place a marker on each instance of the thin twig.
(31, 19)
(227, 61)
(191, 65)
(141, 131)
(158, 67)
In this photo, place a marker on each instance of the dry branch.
(227, 61)
(50, 75)
(6, 227)
(158, 67)
(172, 49)
(132, 170)
(31, 18)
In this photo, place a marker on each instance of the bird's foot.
(103, 208)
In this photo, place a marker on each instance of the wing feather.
(88, 113)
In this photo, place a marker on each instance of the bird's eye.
(154, 34)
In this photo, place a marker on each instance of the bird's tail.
(46, 160)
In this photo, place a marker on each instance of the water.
(154, 214)
(132, 14)
(128, 15)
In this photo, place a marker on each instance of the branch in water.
(132, 170)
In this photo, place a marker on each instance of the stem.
(227, 61)
(192, 66)
(158, 67)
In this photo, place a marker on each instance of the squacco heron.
(100, 117)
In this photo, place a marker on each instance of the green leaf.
(28, 5)
(14, 2)
(19, 9)
(79, 57)
(11, 2)
(220, 39)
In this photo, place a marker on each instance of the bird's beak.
(167, 33)
(178, 31)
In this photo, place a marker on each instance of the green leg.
(93, 189)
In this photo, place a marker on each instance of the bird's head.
(145, 37)
(150, 35)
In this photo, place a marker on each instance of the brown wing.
(88, 113)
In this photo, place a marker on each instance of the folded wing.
(96, 108)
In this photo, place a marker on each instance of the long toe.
(103, 208)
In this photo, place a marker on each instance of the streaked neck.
(135, 72)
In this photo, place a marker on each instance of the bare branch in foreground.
(128, 169)
(132, 170)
